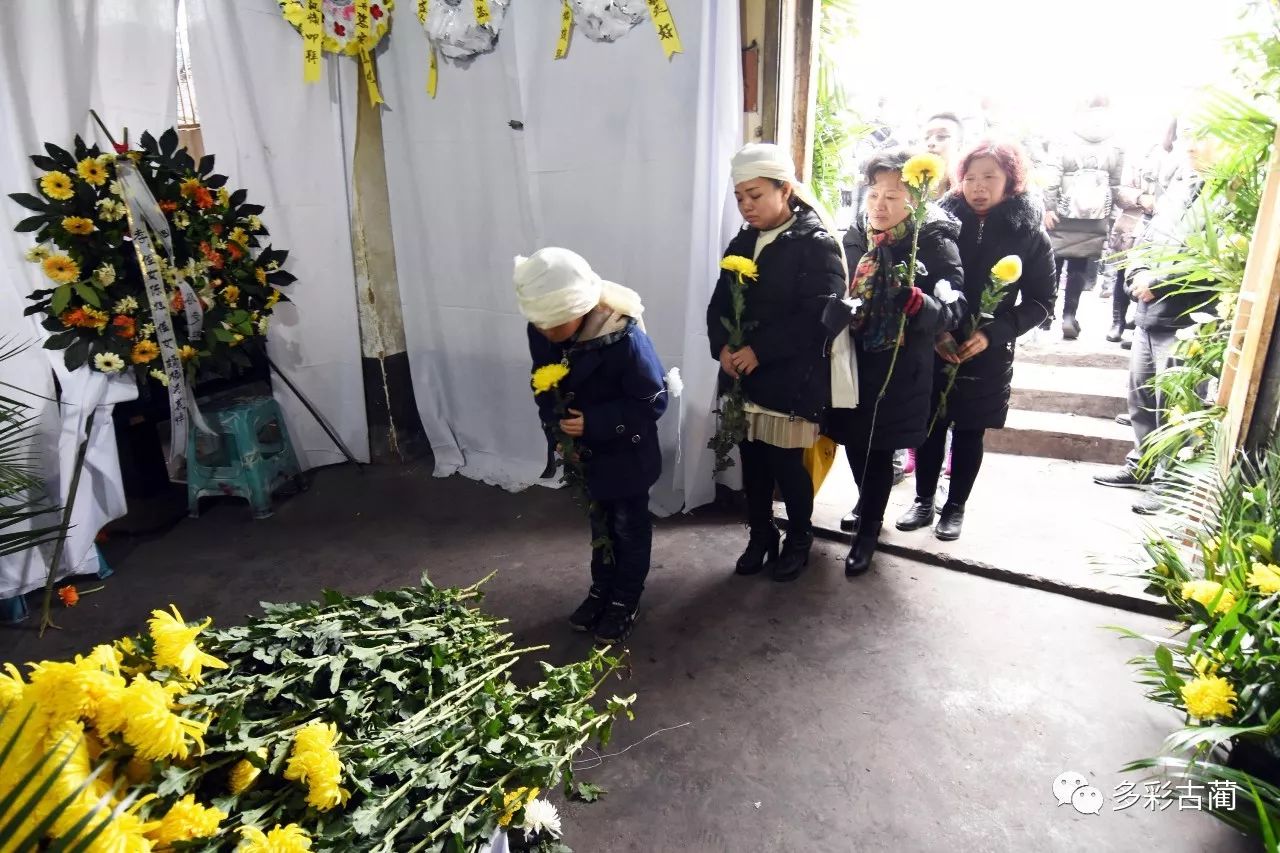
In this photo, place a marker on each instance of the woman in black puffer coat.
(997, 219)
(786, 376)
(874, 247)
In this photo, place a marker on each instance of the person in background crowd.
(1141, 188)
(875, 247)
(786, 376)
(1164, 305)
(617, 393)
(1084, 181)
(998, 218)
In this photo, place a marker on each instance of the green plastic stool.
(248, 455)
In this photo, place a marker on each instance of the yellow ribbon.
(370, 78)
(482, 12)
(364, 24)
(312, 44)
(666, 27)
(566, 27)
(422, 11)
(433, 74)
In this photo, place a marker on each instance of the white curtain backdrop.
(290, 144)
(623, 157)
(59, 58)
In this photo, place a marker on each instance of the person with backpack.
(1084, 174)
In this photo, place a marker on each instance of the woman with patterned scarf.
(893, 354)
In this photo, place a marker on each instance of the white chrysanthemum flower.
(675, 384)
(160, 376)
(945, 293)
(36, 254)
(104, 275)
(1187, 333)
(149, 330)
(181, 219)
(110, 210)
(117, 188)
(254, 223)
(540, 816)
(126, 306)
(263, 322)
(108, 362)
(273, 266)
(1186, 454)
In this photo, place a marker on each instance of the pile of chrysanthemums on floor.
(384, 722)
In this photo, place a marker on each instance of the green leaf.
(62, 340)
(48, 164)
(30, 202)
(76, 356)
(61, 299)
(169, 142)
(31, 223)
(206, 165)
(88, 294)
(586, 792)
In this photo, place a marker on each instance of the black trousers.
(1080, 271)
(873, 472)
(764, 465)
(629, 527)
(1119, 299)
(966, 461)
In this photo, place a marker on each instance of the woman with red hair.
(997, 218)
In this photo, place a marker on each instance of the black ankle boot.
(849, 524)
(762, 547)
(864, 548)
(920, 515)
(949, 524)
(794, 558)
(1116, 333)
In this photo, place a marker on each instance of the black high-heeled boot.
(864, 548)
(794, 557)
(762, 547)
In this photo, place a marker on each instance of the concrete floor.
(916, 709)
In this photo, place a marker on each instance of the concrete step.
(1055, 435)
(1054, 356)
(1094, 392)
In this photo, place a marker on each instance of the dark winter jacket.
(1087, 148)
(980, 398)
(1178, 214)
(616, 381)
(799, 271)
(903, 414)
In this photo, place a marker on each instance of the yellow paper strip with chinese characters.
(364, 24)
(666, 27)
(433, 74)
(482, 12)
(566, 27)
(312, 41)
(370, 78)
(422, 11)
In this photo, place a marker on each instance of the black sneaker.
(615, 624)
(588, 613)
(1120, 478)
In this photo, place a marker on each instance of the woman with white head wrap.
(785, 372)
(614, 393)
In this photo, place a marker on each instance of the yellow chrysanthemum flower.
(245, 773)
(92, 170)
(1205, 665)
(281, 839)
(1265, 578)
(547, 377)
(922, 169)
(60, 268)
(744, 267)
(69, 691)
(124, 833)
(1209, 697)
(78, 225)
(273, 298)
(187, 820)
(239, 235)
(11, 686)
(231, 294)
(1008, 269)
(1206, 591)
(314, 761)
(224, 197)
(176, 644)
(143, 352)
(57, 186)
(189, 187)
(152, 728)
(187, 352)
(515, 800)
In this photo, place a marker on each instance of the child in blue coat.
(609, 404)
